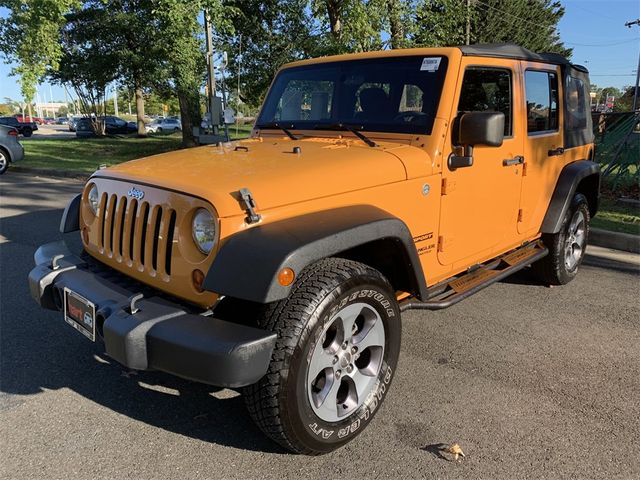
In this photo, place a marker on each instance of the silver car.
(164, 125)
(10, 148)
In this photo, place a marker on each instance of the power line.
(602, 44)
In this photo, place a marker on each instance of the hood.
(270, 169)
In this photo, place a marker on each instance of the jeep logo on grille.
(135, 193)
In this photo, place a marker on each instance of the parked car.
(49, 121)
(373, 184)
(29, 119)
(113, 126)
(164, 125)
(62, 121)
(24, 128)
(10, 148)
(71, 123)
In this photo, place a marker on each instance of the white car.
(164, 125)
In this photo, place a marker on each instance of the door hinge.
(448, 186)
(524, 169)
(520, 215)
(444, 243)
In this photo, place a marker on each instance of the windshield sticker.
(430, 64)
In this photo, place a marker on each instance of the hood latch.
(249, 205)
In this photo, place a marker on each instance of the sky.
(593, 28)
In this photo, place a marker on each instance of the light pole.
(635, 91)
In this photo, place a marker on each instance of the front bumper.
(161, 335)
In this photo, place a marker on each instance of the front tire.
(567, 247)
(336, 354)
(4, 161)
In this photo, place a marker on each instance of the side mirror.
(476, 128)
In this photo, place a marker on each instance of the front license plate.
(80, 313)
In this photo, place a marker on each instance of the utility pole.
(468, 32)
(635, 91)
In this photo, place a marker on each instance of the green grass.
(85, 155)
(617, 217)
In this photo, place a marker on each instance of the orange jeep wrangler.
(371, 184)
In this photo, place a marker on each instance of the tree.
(273, 32)
(440, 23)
(182, 48)
(88, 63)
(354, 25)
(29, 37)
(532, 24)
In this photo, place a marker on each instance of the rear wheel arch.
(582, 176)
(590, 188)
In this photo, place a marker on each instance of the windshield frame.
(437, 82)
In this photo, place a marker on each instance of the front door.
(479, 207)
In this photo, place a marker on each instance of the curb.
(615, 240)
(50, 172)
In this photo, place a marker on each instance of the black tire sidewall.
(304, 425)
(27, 132)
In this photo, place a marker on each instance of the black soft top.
(510, 50)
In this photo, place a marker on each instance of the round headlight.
(94, 199)
(204, 230)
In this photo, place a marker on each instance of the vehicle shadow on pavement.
(40, 352)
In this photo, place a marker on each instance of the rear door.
(480, 203)
(544, 149)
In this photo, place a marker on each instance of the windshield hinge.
(249, 205)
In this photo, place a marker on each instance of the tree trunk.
(395, 24)
(334, 8)
(140, 111)
(29, 110)
(189, 115)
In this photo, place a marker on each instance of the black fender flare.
(247, 264)
(566, 186)
(70, 221)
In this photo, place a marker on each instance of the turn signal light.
(13, 132)
(197, 278)
(286, 276)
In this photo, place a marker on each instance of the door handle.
(556, 151)
(513, 161)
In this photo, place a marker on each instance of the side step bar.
(451, 291)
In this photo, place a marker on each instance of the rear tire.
(335, 356)
(27, 132)
(567, 247)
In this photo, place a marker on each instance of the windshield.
(398, 94)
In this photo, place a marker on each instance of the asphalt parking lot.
(533, 382)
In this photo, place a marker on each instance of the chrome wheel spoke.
(373, 336)
(320, 360)
(326, 401)
(362, 384)
(349, 315)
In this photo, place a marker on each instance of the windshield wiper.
(353, 128)
(284, 129)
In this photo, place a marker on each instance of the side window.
(542, 101)
(576, 100)
(411, 99)
(488, 89)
